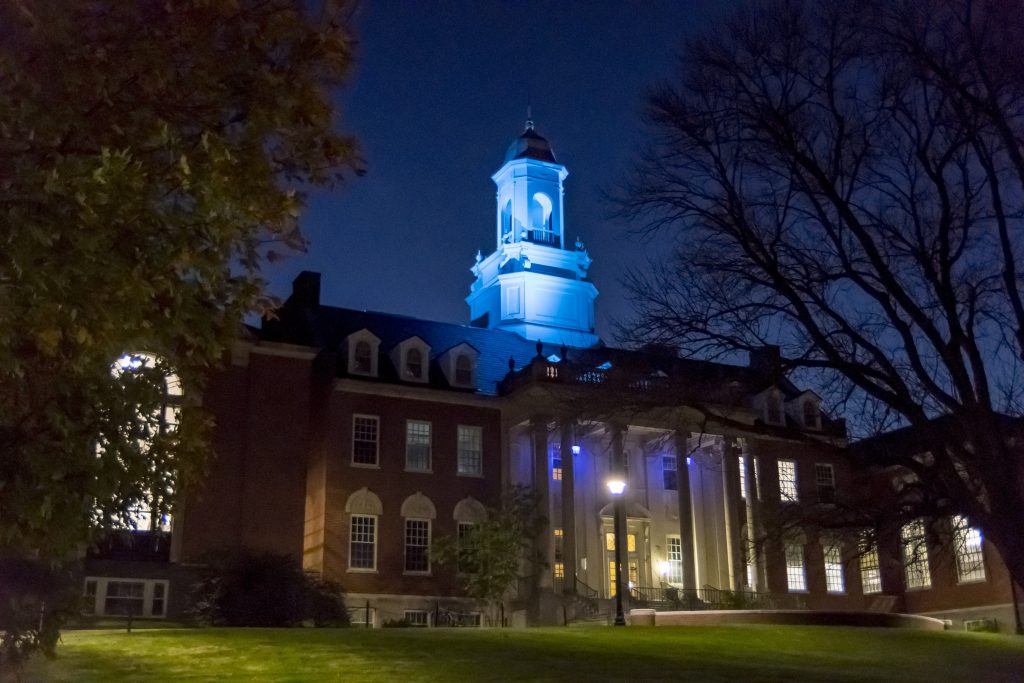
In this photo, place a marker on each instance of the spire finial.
(529, 114)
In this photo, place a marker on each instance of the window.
(417, 545)
(414, 364)
(104, 596)
(417, 617)
(463, 370)
(631, 543)
(870, 574)
(796, 576)
(157, 604)
(825, 480)
(559, 541)
(915, 556)
(812, 415)
(362, 553)
(669, 473)
(365, 434)
(463, 560)
(833, 552)
(417, 446)
(362, 616)
(559, 570)
(362, 361)
(743, 477)
(556, 462)
(470, 447)
(89, 597)
(970, 562)
(124, 597)
(675, 559)
(609, 541)
(787, 481)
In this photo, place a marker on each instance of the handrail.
(710, 598)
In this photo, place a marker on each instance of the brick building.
(350, 440)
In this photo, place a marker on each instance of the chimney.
(766, 361)
(306, 289)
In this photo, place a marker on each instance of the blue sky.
(438, 92)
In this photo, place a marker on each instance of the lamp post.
(617, 487)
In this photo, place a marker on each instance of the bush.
(35, 601)
(243, 589)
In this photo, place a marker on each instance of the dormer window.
(362, 358)
(414, 364)
(812, 415)
(459, 366)
(773, 409)
(412, 360)
(361, 351)
(463, 370)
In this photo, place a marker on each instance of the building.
(349, 440)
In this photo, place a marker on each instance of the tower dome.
(530, 145)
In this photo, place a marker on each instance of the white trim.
(148, 588)
(416, 393)
(284, 350)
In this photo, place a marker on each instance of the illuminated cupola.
(535, 282)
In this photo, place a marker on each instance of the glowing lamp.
(617, 486)
(662, 568)
(575, 450)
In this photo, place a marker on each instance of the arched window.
(463, 370)
(414, 363)
(506, 222)
(540, 212)
(362, 357)
(150, 424)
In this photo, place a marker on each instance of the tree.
(846, 181)
(489, 558)
(153, 156)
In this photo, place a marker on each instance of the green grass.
(742, 653)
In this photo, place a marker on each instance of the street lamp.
(617, 487)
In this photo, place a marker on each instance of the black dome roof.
(530, 145)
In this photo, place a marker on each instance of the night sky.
(439, 91)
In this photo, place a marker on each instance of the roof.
(530, 145)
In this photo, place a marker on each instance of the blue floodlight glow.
(607, 365)
(688, 460)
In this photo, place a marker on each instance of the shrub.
(35, 600)
(243, 589)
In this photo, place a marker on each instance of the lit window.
(796, 575)
(362, 552)
(787, 481)
(825, 480)
(833, 552)
(609, 540)
(417, 618)
(970, 562)
(870, 574)
(470, 446)
(556, 462)
(915, 555)
(362, 358)
(417, 545)
(669, 473)
(365, 434)
(559, 570)
(743, 477)
(463, 370)
(414, 364)
(675, 559)
(611, 578)
(417, 446)
(631, 543)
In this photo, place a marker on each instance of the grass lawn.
(742, 653)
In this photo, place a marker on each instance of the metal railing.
(670, 598)
(548, 237)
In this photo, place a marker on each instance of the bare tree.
(846, 180)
